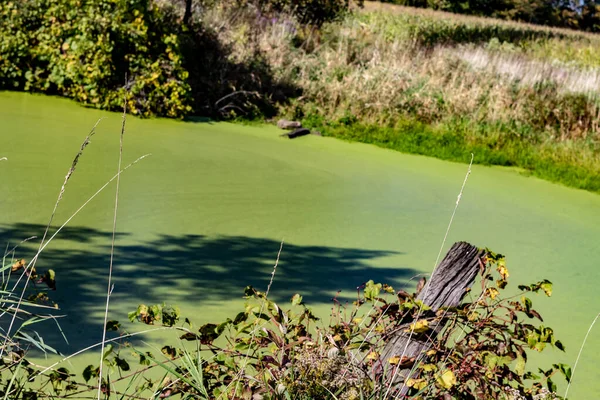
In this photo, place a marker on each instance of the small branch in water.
(245, 92)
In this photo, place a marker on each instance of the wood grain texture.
(446, 288)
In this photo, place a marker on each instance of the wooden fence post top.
(446, 288)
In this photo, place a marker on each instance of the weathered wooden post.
(446, 288)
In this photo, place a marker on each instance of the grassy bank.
(420, 82)
(457, 140)
(413, 80)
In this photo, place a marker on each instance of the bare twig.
(128, 335)
(32, 263)
(244, 92)
(412, 330)
(247, 355)
(579, 354)
(112, 249)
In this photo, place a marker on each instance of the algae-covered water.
(204, 216)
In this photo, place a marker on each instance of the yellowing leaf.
(493, 292)
(394, 360)
(446, 379)
(429, 367)
(431, 352)
(420, 326)
(418, 384)
(502, 270)
(373, 355)
(520, 367)
(547, 288)
(18, 265)
(357, 320)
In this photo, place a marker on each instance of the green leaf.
(169, 351)
(112, 326)
(296, 300)
(170, 315)
(90, 372)
(531, 375)
(122, 364)
(491, 360)
(520, 367)
(546, 286)
(132, 315)
(446, 379)
(551, 385)
(539, 346)
(241, 317)
(565, 370)
(372, 290)
(145, 358)
(107, 350)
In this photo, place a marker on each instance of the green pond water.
(205, 214)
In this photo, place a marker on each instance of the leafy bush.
(276, 353)
(105, 53)
(86, 49)
(269, 352)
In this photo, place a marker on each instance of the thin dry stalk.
(579, 354)
(262, 305)
(112, 249)
(69, 220)
(31, 265)
(426, 289)
(121, 337)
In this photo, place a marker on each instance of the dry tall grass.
(356, 68)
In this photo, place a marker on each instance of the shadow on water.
(194, 270)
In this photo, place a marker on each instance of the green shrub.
(86, 50)
(271, 352)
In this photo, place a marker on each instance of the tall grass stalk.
(579, 354)
(95, 345)
(420, 82)
(256, 328)
(427, 286)
(112, 248)
(31, 265)
(82, 207)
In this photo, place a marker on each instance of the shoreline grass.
(413, 80)
(455, 141)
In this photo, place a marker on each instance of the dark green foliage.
(455, 140)
(105, 53)
(287, 353)
(280, 353)
(97, 52)
(313, 12)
